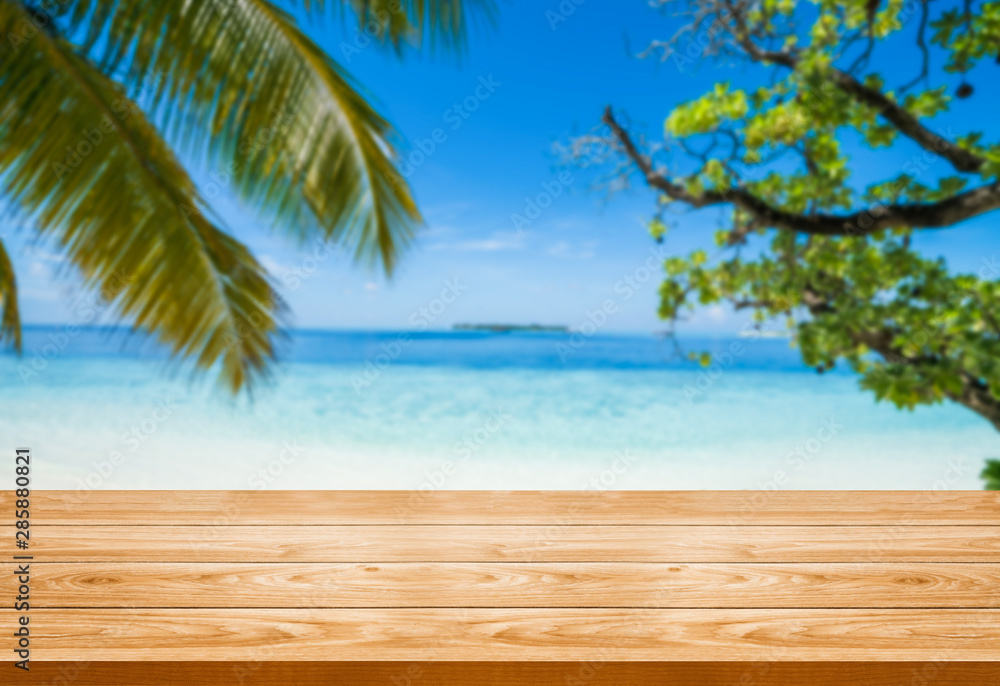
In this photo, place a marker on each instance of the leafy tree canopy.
(801, 240)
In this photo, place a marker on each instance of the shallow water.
(509, 411)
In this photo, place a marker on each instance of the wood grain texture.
(512, 634)
(300, 586)
(209, 585)
(398, 543)
(220, 508)
(582, 673)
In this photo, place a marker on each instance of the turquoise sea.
(349, 410)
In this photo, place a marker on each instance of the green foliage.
(915, 333)
(93, 102)
(707, 112)
(968, 38)
(932, 327)
(991, 475)
(927, 103)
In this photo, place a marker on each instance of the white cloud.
(437, 231)
(447, 211)
(488, 245)
(272, 265)
(44, 294)
(500, 240)
(47, 256)
(564, 250)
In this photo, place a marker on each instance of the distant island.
(755, 333)
(509, 328)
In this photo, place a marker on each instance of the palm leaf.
(239, 84)
(10, 318)
(83, 164)
(442, 23)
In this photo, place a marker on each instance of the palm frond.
(240, 84)
(82, 163)
(443, 23)
(10, 317)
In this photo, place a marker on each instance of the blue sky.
(547, 83)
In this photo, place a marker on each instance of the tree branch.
(908, 125)
(936, 215)
(904, 122)
(924, 51)
(976, 396)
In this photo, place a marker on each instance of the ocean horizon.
(473, 410)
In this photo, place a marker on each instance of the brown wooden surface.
(593, 672)
(482, 543)
(513, 634)
(845, 587)
(545, 584)
(223, 508)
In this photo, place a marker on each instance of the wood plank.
(591, 672)
(517, 634)
(513, 544)
(511, 585)
(221, 508)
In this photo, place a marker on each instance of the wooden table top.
(860, 587)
